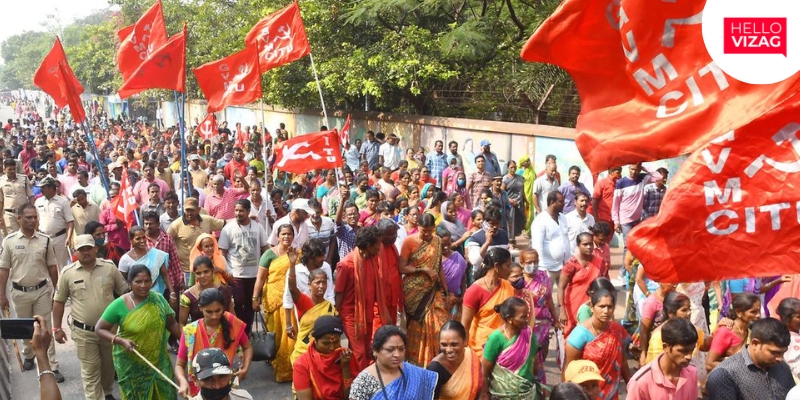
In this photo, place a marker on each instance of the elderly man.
(15, 190)
(219, 203)
(185, 230)
(492, 164)
(199, 175)
(297, 219)
(55, 219)
(91, 283)
(29, 259)
(389, 154)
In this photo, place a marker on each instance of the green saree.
(145, 325)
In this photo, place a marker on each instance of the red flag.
(163, 69)
(648, 87)
(51, 78)
(344, 134)
(125, 203)
(280, 38)
(208, 128)
(732, 211)
(231, 81)
(141, 39)
(306, 152)
(71, 93)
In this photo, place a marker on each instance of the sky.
(32, 15)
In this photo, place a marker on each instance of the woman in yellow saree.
(308, 308)
(426, 298)
(491, 288)
(458, 367)
(145, 322)
(275, 263)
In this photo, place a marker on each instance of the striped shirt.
(653, 196)
(626, 207)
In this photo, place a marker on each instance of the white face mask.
(531, 268)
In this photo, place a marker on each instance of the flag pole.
(96, 155)
(319, 88)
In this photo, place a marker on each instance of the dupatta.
(154, 259)
(197, 339)
(418, 287)
(220, 265)
(465, 383)
(303, 341)
(507, 382)
(325, 373)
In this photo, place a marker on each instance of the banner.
(649, 89)
(163, 69)
(208, 128)
(125, 203)
(303, 153)
(138, 41)
(732, 210)
(55, 80)
(232, 81)
(280, 38)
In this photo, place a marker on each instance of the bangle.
(289, 327)
(256, 298)
(173, 295)
(56, 330)
(46, 372)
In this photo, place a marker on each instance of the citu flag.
(280, 38)
(55, 77)
(125, 203)
(163, 69)
(732, 210)
(303, 153)
(208, 128)
(648, 87)
(232, 81)
(344, 134)
(138, 41)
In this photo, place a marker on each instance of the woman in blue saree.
(390, 377)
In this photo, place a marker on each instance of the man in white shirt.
(578, 220)
(297, 220)
(549, 237)
(389, 153)
(262, 210)
(312, 259)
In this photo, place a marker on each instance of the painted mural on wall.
(566, 154)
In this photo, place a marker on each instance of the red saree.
(575, 292)
(606, 351)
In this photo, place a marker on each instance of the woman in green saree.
(526, 171)
(145, 322)
(510, 354)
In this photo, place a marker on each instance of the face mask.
(418, 157)
(100, 242)
(215, 394)
(519, 283)
(530, 269)
(461, 182)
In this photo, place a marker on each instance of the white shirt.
(261, 212)
(243, 244)
(326, 232)
(549, 238)
(541, 187)
(577, 225)
(391, 155)
(303, 276)
(300, 234)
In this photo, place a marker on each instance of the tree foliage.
(434, 57)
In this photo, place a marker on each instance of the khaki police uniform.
(91, 292)
(14, 194)
(27, 259)
(54, 215)
(84, 215)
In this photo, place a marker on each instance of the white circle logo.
(753, 42)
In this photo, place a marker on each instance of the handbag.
(263, 342)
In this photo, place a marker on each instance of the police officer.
(15, 190)
(55, 218)
(91, 283)
(28, 259)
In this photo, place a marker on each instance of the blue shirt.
(570, 191)
(436, 163)
(370, 152)
(492, 165)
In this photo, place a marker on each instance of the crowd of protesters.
(446, 281)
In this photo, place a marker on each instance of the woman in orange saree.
(458, 367)
(426, 298)
(490, 288)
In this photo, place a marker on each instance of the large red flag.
(344, 134)
(306, 152)
(163, 69)
(233, 80)
(125, 203)
(208, 128)
(141, 39)
(51, 78)
(71, 93)
(649, 89)
(733, 210)
(280, 38)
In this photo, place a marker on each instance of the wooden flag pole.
(319, 88)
